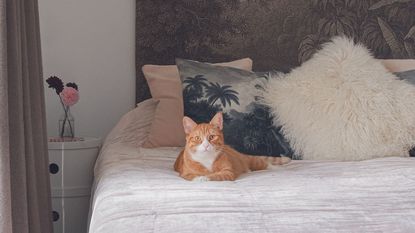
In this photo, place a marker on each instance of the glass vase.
(66, 124)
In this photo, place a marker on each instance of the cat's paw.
(200, 179)
(285, 160)
(271, 166)
(276, 162)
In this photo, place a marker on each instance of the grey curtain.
(25, 204)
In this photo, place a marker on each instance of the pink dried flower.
(69, 96)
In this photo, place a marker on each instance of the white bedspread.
(136, 190)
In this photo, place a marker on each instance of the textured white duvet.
(136, 190)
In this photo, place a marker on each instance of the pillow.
(408, 75)
(403, 68)
(343, 104)
(399, 65)
(134, 126)
(165, 86)
(248, 125)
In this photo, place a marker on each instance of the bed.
(137, 190)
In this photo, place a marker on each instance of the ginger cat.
(206, 157)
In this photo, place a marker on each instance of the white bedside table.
(71, 169)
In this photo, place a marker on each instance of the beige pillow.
(131, 130)
(165, 86)
(134, 126)
(399, 65)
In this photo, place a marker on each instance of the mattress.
(137, 190)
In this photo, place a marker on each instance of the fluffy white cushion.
(343, 104)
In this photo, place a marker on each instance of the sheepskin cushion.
(343, 104)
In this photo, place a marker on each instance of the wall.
(90, 42)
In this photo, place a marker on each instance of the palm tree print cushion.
(248, 125)
(409, 76)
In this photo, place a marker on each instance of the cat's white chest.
(206, 158)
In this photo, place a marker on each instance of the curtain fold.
(25, 204)
(5, 195)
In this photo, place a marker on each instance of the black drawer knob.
(53, 168)
(55, 216)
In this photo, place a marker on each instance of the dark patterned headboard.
(276, 34)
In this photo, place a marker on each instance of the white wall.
(90, 42)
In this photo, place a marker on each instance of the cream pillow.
(134, 126)
(165, 86)
(343, 104)
(399, 65)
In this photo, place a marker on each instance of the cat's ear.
(188, 124)
(217, 120)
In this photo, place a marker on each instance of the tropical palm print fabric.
(274, 33)
(248, 125)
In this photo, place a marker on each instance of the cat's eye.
(197, 138)
(211, 137)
